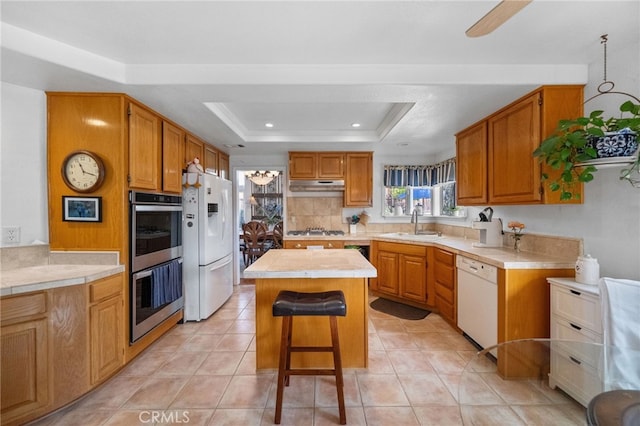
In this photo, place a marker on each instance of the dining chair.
(277, 235)
(254, 234)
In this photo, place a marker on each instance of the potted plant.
(587, 138)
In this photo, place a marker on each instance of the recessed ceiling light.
(269, 125)
(355, 125)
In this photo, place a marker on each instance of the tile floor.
(204, 374)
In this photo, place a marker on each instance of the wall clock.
(83, 171)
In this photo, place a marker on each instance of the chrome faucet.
(414, 219)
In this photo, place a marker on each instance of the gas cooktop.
(315, 231)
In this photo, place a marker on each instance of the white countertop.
(43, 277)
(500, 257)
(311, 264)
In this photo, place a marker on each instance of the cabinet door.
(513, 134)
(210, 160)
(331, 165)
(193, 148)
(223, 166)
(471, 165)
(107, 343)
(303, 165)
(144, 149)
(172, 155)
(358, 191)
(413, 277)
(24, 368)
(387, 265)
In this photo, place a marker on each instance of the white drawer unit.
(575, 316)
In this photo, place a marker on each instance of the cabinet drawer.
(105, 288)
(565, 330)
(445, 257)
(22, 306)
(577, 307)
(577, 379)
(444, 276)
(445, 293)
(402, 248)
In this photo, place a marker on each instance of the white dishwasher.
(478, 301)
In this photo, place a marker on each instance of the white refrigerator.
(207, 269)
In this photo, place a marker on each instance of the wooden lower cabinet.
(402, 272)
(106, 315)
(303, 244)
(24, 366)
(445, 285)
(57, 345)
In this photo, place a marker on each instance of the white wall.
(23, 163)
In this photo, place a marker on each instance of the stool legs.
(285, 370)
(337, 362)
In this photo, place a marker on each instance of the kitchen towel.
(166, 283)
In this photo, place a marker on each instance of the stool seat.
(289, 304)
(327, 303)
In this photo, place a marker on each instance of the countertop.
(311, 264)
(44, 277)
(500, 257)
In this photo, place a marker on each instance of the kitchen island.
(312, 271)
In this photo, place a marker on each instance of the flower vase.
(516, 245)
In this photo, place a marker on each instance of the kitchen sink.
(421, 236)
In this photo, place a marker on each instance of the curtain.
(428, 175)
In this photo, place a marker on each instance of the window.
(428, 189)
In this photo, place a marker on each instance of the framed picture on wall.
(82, 209)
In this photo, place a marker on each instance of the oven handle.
(148, 272)
(156, 208)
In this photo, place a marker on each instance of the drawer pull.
(577, 293)
(574, 360)
(577, 327)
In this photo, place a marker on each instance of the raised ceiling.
(405, 71)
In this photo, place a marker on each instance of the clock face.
(83, 171)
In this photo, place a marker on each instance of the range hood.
(316, 185)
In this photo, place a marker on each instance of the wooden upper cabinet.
(193, 147)
(471, 165)
(210, 160)
(358, 191)
(223, 166)
(331, 165)
(144, 148)
(316, 165)
(172, 155)
(513, 175)
(513, 135)
(303, 165)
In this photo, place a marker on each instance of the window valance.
(426, 175)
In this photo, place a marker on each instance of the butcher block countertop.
(500, 257)
(311, 264)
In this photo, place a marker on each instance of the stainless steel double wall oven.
(155, 284)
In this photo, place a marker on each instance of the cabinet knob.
(330, 245)
(298, 245)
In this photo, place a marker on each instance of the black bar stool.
(289, 304)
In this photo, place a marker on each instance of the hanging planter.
(623, 143)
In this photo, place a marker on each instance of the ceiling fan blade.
(496, 17)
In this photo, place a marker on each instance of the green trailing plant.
(569, 146)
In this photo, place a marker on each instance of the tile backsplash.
(326, 212)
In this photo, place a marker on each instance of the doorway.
(259, 196)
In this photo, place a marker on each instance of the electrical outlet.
(11, 234)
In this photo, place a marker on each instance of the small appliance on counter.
(587, 270)
(490, 230)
